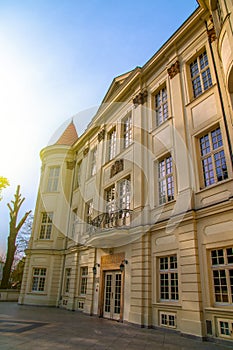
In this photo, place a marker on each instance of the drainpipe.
(221, 100)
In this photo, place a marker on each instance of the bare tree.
(15, 227)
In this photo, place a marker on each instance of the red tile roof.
(69, 136)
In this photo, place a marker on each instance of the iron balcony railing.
(114, 219)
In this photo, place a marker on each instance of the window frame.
(168, 288)
(163, 105)
(93, 162)
(166, 177)
(83, 280)
(127, 130)
(202, 75)
(112, 144)
(53, 178)
(47, 226)
(222, 265)
(40, 278)
(89, 211)
(208, 162)
(67, 280)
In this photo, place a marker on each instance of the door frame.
(111, 263)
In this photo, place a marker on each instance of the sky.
(58, 59)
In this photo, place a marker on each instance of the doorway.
(112, 295)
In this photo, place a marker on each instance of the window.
(168, 319)
(161, 106)
(166, 180)
(67, 280)
(83, 282)
(213, 157)
(168, 278)
(110, 199)
(89, 212)
(112, 144)
(200, 74)
(127, 131)
(78, 174)
(53, 179)
(93, 162)
(46, 225)
(38, 279)
(225, 328)
(124, 194)
(222, 270)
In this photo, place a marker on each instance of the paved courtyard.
(29, 327)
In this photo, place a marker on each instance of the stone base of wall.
(9, 295)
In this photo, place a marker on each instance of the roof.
(69, 136)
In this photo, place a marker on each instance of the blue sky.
(57, 59)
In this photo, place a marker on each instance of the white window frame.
(124, 189)
(165, 319)
(112, 138)
(166, 185)
(93, 162)
(127, 130)
(67, 280)
(201, 79)
(225, 328)
(212, 156)
(168, 275)
(83, 280)
(89, 211)
(53, 179)
(39, 279)
(46, 225)
(222, 273)
(161, 105)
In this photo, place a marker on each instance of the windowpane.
(161, 106)
(168, 278)
(166, 181)
(83, 284)
(93, 162)
(52, 185)
(200, 74)
(46, 225)
(127, 131)
(112, 144)
(222, 269)
(38, 279)
(213, 157)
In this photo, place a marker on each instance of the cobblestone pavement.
(42, 328)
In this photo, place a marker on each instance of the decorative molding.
(101, 135)
(70, 165)
(116, 167)
(140, 99)
(85, 151)
(174, 69)
(211, 35)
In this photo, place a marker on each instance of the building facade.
(134, 218)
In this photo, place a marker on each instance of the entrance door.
(112, 295)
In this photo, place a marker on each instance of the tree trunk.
(11, 248)
(14, 230)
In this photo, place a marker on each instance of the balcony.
(115, 219)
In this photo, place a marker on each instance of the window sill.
(34, 292)
(168, 304)
(202, 96)
(157, 128)
(166, 204)
(219, 183)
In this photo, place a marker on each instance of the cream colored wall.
(188, 226)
